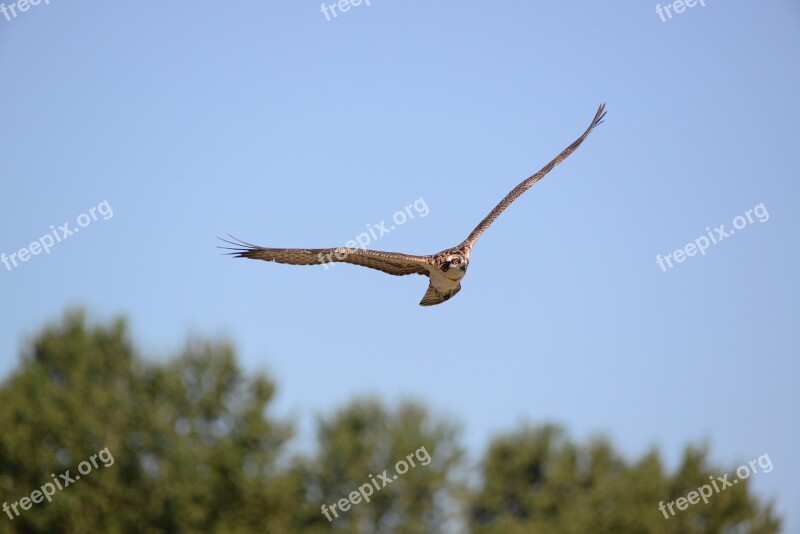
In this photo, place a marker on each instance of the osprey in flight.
(444, 269)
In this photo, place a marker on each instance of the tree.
(537, 481)
(191, 444)
(124, 444)
(402, 460)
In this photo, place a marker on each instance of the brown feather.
(433, 297)
(389, 262)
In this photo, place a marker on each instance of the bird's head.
(455, 265)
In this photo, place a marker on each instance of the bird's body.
(444, 269)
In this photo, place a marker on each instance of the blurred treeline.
(197, 449)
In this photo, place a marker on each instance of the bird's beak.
(464, 268)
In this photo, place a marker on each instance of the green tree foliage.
(192, 447)
(365, 439)
(538, 481)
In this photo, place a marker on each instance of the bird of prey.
(445, 269)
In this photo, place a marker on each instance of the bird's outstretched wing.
(525, 185)
(388, 262)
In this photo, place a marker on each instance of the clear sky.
(268, 121)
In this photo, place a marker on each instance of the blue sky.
(265, 120)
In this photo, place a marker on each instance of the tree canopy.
(192, 445)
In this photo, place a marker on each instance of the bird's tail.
(433, 297)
